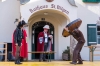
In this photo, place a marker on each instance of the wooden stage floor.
(52, 63)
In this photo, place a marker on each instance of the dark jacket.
(18, 35)
(78, 35)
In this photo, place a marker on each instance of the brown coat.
(78, 35)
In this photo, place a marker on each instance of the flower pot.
(65, 56)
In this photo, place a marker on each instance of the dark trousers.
(76, 53)
(17, 55)
(43, 55)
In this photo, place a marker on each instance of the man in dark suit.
(18, 36)
(77, 34)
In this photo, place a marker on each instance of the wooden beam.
(40, 52)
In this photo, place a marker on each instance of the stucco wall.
(9, 11)
(89, 13)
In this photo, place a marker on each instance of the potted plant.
(66, 54)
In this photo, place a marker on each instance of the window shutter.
(91, 1)
(91, 34)
(98, 0)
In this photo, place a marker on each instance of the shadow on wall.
(91, 8)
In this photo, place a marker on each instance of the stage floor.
(53, 63)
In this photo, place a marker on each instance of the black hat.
(24, 23)
(20, 25)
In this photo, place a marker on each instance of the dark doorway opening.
(36, 29)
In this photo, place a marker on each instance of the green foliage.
(67, 50)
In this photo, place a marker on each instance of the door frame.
(51, 31)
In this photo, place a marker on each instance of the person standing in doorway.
(44, 42)
(78, 35)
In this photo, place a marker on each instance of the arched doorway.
(58, 20)
(37, 27)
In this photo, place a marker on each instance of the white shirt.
(46, 37)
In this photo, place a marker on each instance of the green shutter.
(91, 34)
(98, 0)
(91, 1)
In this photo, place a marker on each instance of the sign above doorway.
(53, 6)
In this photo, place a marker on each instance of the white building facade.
(57, 14)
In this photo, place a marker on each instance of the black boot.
(44, 60)
(40, 60)
(19, 61)
(16, 61)
(73, 63)
(80, 63)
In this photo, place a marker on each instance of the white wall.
(59, 22)
(61, 42)
(2, 0)
(9, 11)
(89, 13)
(34, 3)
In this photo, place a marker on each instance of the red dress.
(23, 50)
(13, 46)
(24, 47)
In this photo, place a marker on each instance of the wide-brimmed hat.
(46, 26)
(24, 23)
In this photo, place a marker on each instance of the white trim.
(92, 42)
(92, 26)
(33, 39)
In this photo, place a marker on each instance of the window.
(91, 1)
(91, 34)
(24, 1)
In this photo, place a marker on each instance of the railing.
(5, 50)
(92, 49)
(49, 54)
